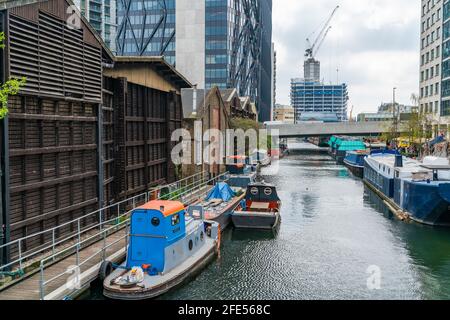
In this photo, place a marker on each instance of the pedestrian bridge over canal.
(303, 130)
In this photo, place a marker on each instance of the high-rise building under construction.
(311, 99)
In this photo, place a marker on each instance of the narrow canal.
(333, 230)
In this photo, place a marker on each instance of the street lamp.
(394, 113)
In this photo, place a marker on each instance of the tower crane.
(314, 48)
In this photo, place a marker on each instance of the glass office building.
(237, 41)
(315, 97)
(102, 16)
(146, 28)
(445, 86)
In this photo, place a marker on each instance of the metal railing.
(48, 247)
(77, 248)
(111, 219)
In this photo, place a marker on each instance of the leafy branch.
(10, 87)
(2, 40)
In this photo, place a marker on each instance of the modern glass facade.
(445, 85)
(217, 46)
(146, 28)
(102, 16)
(314, 97)
(239, 49)
(266, 68)
(238, 38)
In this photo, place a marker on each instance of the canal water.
(337, 241)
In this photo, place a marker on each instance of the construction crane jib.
(314, 48)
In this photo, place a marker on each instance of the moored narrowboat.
(166, 247)
(354, 161)
(260, 157)
(260, 209)
(220, 203)
(344, 145)
(418, 190)
(241, 173)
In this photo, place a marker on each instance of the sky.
(373, 43)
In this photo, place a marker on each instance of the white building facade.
(431, 54)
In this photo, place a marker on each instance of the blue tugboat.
(166, 247)
(420, 191)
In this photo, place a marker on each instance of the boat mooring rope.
(19, 273)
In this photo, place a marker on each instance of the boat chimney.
(398, 161)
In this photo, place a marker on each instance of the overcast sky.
(373, 43)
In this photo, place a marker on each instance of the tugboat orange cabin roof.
(169, 207)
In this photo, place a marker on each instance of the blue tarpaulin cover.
(221, 191)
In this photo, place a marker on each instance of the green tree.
(247, 124)
(10, 87)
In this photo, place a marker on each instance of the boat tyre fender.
(105, 270)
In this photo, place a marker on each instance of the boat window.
(155, 221)
(175, 219)
(254, 191)
(268, 191)
(191, 244)
(202, 236)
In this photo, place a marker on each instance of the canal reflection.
(254, 235)
(428, 247)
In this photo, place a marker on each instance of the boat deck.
(156, 285)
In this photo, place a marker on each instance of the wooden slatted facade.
(54, 58)
(52, 164)
(144, 119)
(76, 138)
(50, 138)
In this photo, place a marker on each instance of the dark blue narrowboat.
(379, 170)
(340, 145)
(421, 190)
(354, 161)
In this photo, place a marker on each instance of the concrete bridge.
(328, 129)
